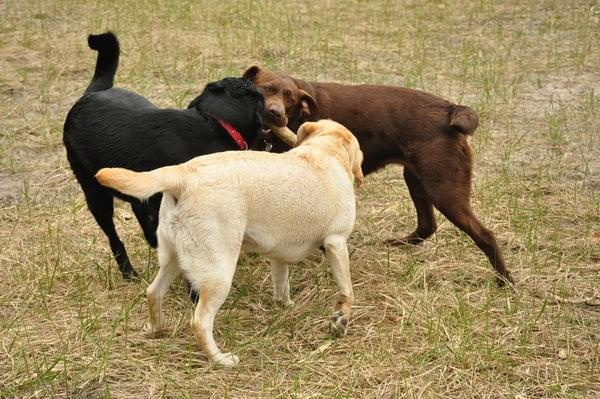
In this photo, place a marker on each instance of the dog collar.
(233, 132)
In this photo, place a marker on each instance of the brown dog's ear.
(309, 106)
(251, 73)
(305, 130)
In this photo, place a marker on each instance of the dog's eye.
(291, 101)
(268, 90)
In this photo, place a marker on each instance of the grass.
(428, 320)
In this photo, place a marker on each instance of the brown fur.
(424, 133)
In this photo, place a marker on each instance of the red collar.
(233, 132)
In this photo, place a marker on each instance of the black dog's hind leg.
(147, 216)
(100, 203)
(193, 294)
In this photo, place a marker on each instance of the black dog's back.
(117, 96)
(109, 131)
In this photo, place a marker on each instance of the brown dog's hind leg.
(426, 224)
(458, 211)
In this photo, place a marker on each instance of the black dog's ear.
(251, 73)
(194, 102)
(212, 87)
(309, 106)
(215, 86)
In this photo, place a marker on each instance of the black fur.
(107, 46)
(111, 127)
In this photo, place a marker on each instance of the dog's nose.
(275, 113)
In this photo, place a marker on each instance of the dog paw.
(408, 240)
(338, 324)
(129, 273)
(226, 359)
(284, 303)
(153, 332)
(505, 281)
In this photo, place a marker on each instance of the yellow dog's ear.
(305, 130)
(356, 166)
(355, 155)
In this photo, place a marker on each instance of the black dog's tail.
(107, 46)
(463, 119)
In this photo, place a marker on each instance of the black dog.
(110, 127)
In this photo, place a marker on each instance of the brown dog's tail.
(142, 185)
(464, 119)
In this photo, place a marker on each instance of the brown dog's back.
(392, 124)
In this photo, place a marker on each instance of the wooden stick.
(285, 134)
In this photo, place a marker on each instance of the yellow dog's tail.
(143, 185)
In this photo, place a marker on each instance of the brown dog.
(422, 132)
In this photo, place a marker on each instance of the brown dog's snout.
(275, 113)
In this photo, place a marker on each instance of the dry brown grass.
(428, 320)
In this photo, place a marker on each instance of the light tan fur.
(283, 206)
(140, 184)
(355, 156)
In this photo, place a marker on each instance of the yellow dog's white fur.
(283, 206)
